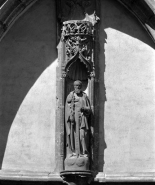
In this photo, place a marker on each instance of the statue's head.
(77, 86)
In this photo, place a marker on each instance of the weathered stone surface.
(28, 90)
(77, 163)
(128, 114)
(28, 84)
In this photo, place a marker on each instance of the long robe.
(76, 122)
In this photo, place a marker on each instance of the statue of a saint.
(77, 112)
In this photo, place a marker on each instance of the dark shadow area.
(143, 10)
(101, 99)
(118, 22)
(26, 51)
(1, 2)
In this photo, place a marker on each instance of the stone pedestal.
(77, 170)
(77, 177)
(75, 163)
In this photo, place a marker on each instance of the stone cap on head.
(78, 82)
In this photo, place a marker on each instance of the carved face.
(77, 88)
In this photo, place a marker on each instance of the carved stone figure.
(77, 62)
(77, 114)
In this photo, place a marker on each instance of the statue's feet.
(71, 155)
(83, 155)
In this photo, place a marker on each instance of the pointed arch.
(10, 11)
(143, 10)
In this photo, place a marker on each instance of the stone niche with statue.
(76, 85)
(79, 73)
(75, 100)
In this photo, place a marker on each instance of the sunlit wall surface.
(28, 90)
(128, 129)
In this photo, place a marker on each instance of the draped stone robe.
(77, 111)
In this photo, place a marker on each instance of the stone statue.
(77, 113)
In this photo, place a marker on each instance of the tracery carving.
(92, 74)
(78, 37)
(63, 74)
(77, 28)
(78, 45)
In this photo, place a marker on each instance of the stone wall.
(127, 68)
(28, 92)
(27, 96)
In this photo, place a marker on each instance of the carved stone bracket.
(76, 178)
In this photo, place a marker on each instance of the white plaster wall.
(31, 141)
(127, 53)
(28, 66)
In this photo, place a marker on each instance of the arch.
(10, 11)
(143, 10)
(78, 70)
(74, 59)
